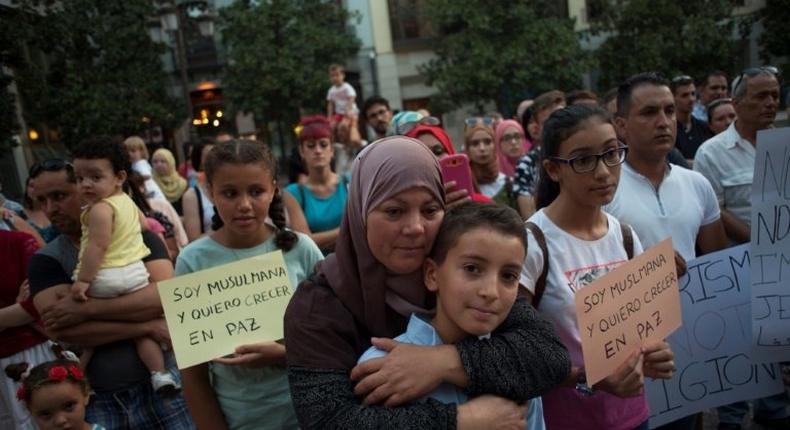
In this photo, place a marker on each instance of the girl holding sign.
(579, 174)
(249, 390)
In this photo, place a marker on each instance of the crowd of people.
(419, 303)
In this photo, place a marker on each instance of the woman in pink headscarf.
(511, 144)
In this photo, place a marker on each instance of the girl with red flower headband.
(56, 393)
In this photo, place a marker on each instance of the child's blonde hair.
(338, 67)
(136, 142)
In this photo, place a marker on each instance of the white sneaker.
(164, 384)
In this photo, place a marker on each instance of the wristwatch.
(581, 385)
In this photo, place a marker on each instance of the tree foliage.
(501, 51)
(775, 40)
(279, 52)
(669, 36)
(87, 67)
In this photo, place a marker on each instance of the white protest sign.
(771, 247)
(211, 312)
(712, 348)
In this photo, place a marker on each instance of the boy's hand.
(407, 373)
(78, 290)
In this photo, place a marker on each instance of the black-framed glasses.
(754, 71)
(587, 163)
(406, 127)
(478, 120)
(51, 165)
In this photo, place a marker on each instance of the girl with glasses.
(579, 174)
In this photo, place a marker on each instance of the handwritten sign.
(211, 312)
(771, 246)
(713, 347)
(633, 304)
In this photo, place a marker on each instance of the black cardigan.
(522, 359)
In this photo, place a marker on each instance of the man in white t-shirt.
(657, 199)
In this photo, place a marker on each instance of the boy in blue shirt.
(474, 269)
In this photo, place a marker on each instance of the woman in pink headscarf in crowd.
(511, 144)
(435, 138)
(480, 146)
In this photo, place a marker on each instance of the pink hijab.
(507, 164)
(364, 285)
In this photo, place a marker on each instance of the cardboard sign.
(771, 246)
(619, 312)
(211, 312)
(713, 347)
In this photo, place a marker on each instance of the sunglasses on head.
(754, 71)
(682, 80)
(406, 127)
(479, 120)
(51, 165)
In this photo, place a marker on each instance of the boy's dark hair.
(609, 96)
(547, 100)
(196, 157)
(469, 216)
(372, 101)
(711, 74)
(626, 89)
(108, 148)
(526, 117)
(578, 95)
(251, 152)
(561, 125)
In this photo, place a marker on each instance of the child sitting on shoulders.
(474, 270)
(341, 104)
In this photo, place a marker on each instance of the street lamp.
(171, 20)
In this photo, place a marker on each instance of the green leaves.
(501, 52)
(88, 67)
(668, 36)
(279, 52)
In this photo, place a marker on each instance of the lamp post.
(172, 15)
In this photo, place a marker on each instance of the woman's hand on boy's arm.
(407, 373)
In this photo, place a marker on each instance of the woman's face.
(722, 117)
(159, 163)
(401, 230)
(481, 147)
(433, 144)
(595, 188)
(512, 143)
(317, 153)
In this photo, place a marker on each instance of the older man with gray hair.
(727, 161)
